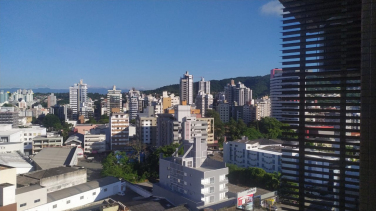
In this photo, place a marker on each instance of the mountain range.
(260, 86)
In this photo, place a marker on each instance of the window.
(211, 180)
(36, 201)
(211, 199)
(68, 202)
(55, 206)
(81, 197)
(22, 205)
(211, 190)
(105, 189)
(94, 193)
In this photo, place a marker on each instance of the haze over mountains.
(260, 86)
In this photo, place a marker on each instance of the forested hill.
(259, 84)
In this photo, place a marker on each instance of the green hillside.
(259, 84)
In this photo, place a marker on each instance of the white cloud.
(272, 8)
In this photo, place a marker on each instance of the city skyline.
(53, 44)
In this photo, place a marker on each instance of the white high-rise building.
(204, 101)
(77, 97)
(238, 94)
(262, 108)
(204, 86)
(114, 101)
(133, 97)
(186, 88)
(276, 94)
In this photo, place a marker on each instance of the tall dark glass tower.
(329, 52)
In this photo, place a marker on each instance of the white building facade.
(186, 88)
(77, 98)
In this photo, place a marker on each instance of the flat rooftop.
(78, 189)
(27, 189)
(272, 148)
(236, 189)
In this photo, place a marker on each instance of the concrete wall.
(11, 147)
(76, 201)
(62, 181)
(8, 175)
(7, 196)
(31, 199)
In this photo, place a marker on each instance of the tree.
(7, 105)
(219, 128)
(252, 133)
(52, 121)
(91, 121)
(271, 128)
(118, 165)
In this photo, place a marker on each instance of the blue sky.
(129, 43)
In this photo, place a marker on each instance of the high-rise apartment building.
(3, 96)
(146, 128)
(204, 86)
(133, 103)
(224, 110)
(168, 130)
(77, 98)
(199, 181)
(186, 89)
(119, 125)
(204, 102)
(277, 93)
(261, 108)
(114, 101)
(51, 100)
(329, 51)
(237, 94)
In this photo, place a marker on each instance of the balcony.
(224, 181)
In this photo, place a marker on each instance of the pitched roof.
(54, 157)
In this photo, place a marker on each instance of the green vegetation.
(268, 127)
(133, 170)
(219, 127)
(7, 105)
(52, 121)
(253, 177)
(103, 120)
(260, 86)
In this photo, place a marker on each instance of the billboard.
(245, 199)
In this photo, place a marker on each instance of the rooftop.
(64, 193)
(78, 137)
(27, 189)
(14, 160)
(54, 156)
(272, 148)
(35, 176)
(43, 137)
(5, 185)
